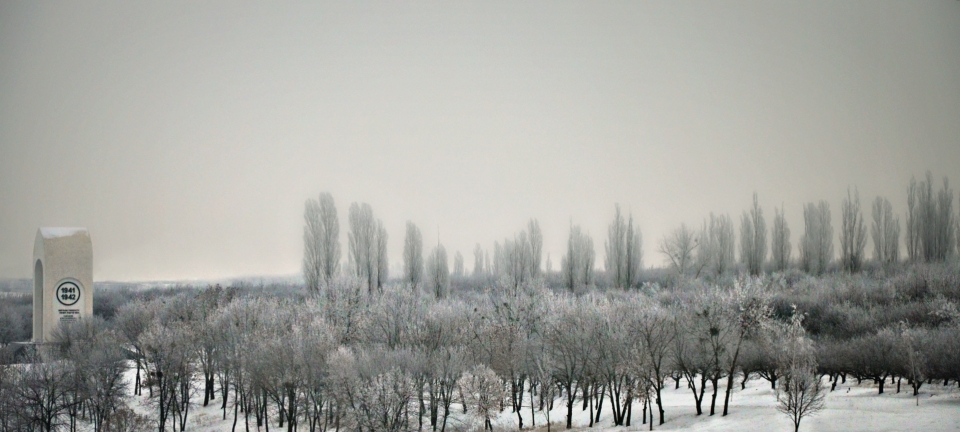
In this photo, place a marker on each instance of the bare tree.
(95, 365)
(913, 362)
(853, 233)
(41, 394)
(623, 259)
(578, 262)
(437, 272)
(656, 331)
(678, 247)
(693, 343)
(413, 256)
(321, 242)
(171, 370)
(800, 393)
(885, 232)
(130, 321)
(566, 355)
(930, 224)
(753, 238)
(780, 247)
(816, 245)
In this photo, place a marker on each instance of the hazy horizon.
(187, 137)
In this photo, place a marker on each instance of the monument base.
(20, 352)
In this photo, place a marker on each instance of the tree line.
(347, 358)
(932, 235)
(435, 349)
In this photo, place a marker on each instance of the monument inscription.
(68, 293)
(69, 296)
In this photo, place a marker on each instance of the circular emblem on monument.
(68, 293)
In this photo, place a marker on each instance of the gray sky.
(187, 136)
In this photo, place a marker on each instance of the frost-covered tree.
(413, 256)
(483, 392)
(130, 321)
(96, 365)
(478, 268)
(567, 357)
(321, 242)
(515, 260)
(382, 264)
(753, 238)
(816, 245)
(722, 243)
(885, 232)
(679, 248)
(171, 365)
(853, 233)
(578, 262)
(693, 353)
(458, 265)
(438, 274)
(535, 237)
(656, 331)
(930, 224)
(749, 311)
(800, 393)
(41, 394)
(624, 256)
(368, 247)
(913, 361)
(780, 247)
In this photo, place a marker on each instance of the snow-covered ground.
(754, 409)
(851, 407)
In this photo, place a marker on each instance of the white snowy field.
(850, 407)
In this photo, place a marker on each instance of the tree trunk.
(629, 411)
(733, 370)
(659, 405)
(713, 400)
(518, 400)
(645, 410)
(599, 404)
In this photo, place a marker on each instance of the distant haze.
(187, 136)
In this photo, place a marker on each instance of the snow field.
(850, 407)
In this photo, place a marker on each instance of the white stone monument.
(62, 279)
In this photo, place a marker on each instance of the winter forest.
(515, 343)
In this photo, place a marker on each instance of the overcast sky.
(187, 136)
